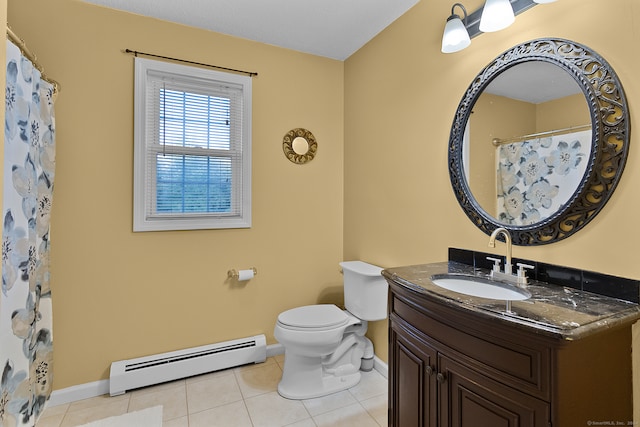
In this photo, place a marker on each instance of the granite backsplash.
(589, 281)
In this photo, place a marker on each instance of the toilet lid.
(314, 316)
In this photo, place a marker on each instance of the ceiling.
(534, 82)
(329, 28)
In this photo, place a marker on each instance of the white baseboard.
(380, 366)
(98, 388)
(78, 392)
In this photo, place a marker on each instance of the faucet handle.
(522, 276)
(496, 263)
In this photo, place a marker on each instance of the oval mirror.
(539, 141)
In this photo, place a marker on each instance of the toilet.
(325, 347)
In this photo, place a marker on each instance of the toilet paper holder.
(235, 274)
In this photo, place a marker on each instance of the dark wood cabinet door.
(470, 399)
(453, 367)
(413, 387)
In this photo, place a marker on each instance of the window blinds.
(193, 146)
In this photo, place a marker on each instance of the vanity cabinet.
(413, 387)
(450, 366)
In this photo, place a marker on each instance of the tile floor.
(239, 397)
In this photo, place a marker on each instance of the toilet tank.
(365, 290)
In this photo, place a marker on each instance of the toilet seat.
(314, 317)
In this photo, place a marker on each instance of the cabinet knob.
(429, 370)
(441, 377)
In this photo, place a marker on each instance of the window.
(192, 160)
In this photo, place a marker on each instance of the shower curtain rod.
(498, 141)
(31, 57)
(136, 53)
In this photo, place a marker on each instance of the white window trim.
(141, 222)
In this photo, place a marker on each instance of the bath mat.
(150, 417)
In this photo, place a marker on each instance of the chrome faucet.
(508, 276)
(507, 240)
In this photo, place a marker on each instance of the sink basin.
(480, 287)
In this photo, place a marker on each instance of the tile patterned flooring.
(238, 397)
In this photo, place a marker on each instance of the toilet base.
(304, 378)
(335, 368)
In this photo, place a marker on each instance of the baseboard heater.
(144, 371)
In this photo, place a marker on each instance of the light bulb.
(496, 15)
(455, 35)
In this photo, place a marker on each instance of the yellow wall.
(119, 294)
(499, 117)
(401, 94)
(570, 111)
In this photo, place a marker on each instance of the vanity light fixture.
(455, 35)
(496, 15)
(477, 22)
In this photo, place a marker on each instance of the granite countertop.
(552, 310)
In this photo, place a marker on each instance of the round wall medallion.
(299, 145)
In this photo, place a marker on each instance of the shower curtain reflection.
(538, 176)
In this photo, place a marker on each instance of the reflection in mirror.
(558, 156)
(528, 142)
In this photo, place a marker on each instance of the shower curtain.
(538, 176)
(25, 301)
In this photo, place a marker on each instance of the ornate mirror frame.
(290, 149)
(609, 145)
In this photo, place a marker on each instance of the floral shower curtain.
(25, 301)
(538, 176)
